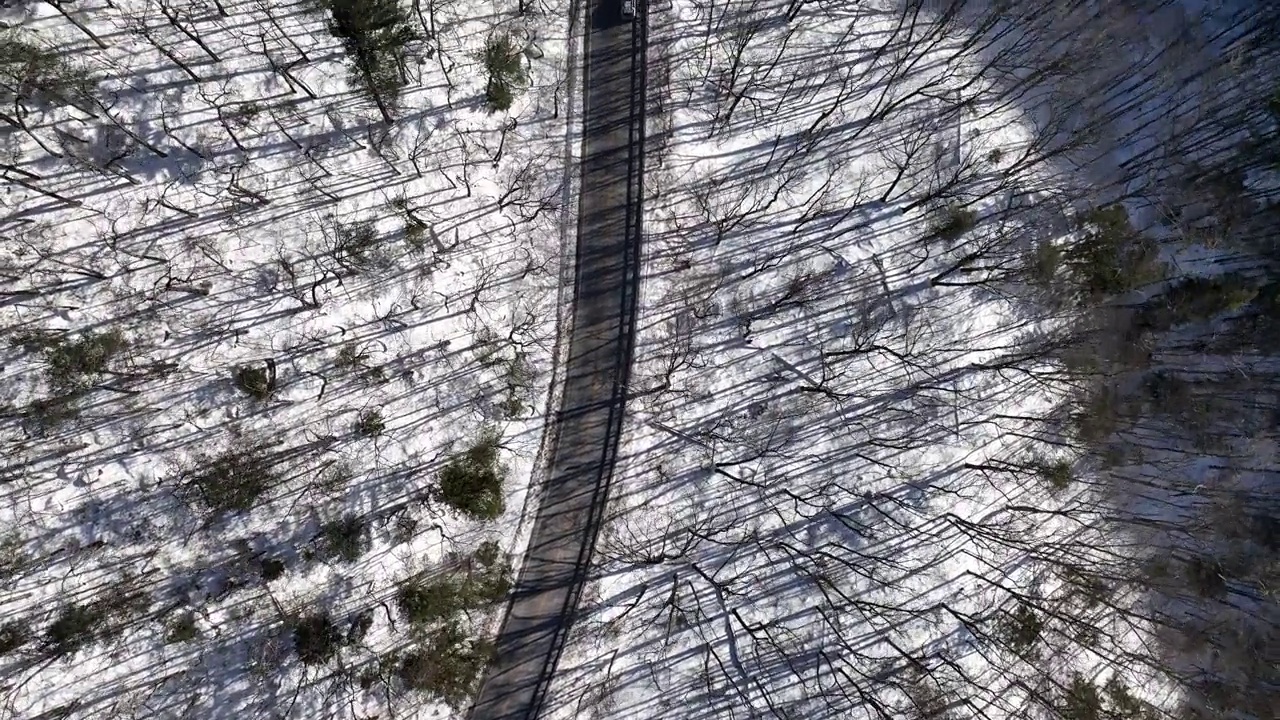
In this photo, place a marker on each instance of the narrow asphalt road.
(590, 417)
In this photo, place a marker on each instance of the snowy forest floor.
(251, 334)
(955, 392)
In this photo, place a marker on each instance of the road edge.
(571, 183)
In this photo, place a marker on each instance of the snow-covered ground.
(855, 479)
(194, 223)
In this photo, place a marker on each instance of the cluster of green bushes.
(448, 661)
(78, 625)
(73, 364)
(232, 481)
(481, 580)
(504, 62)
(447, 665)
(472, 481)
(35, 73)
(317, 638)
(376, 34)
(952, 222)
